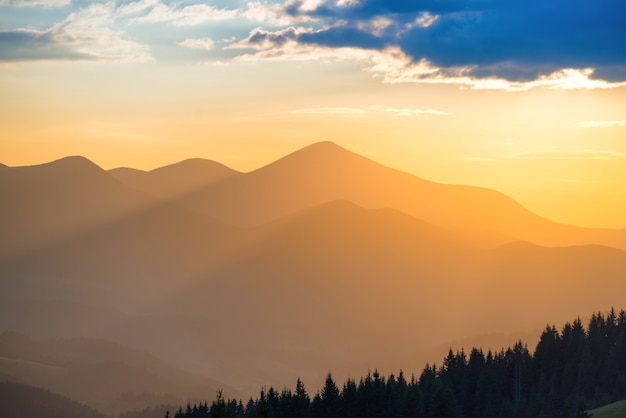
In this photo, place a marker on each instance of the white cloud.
(89, 33)
(35, 3)
(136, 7)
(201, 43)
(309, 5)
(598, 124)
(191, 15)
(375, 26)
(273, 14)
(396, 67)
(347, 3)
(425, 20)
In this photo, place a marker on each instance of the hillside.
(22, 401)
(613, 410)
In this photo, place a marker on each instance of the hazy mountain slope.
(133, 263)
(103, 375)
(526, 282)
(44, 203)
(325, 172)
(176, 179)
(22, 401)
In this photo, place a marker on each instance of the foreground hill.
(22, 401)
(568, 371)
(103, 375)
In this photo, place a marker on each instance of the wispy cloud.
(571, 154)
(38, 3)
(84, 35)
(408, 112)
(325, 111)
(191, 15)
(479, 159)
(597, 124)
(352, 111)
(201, 43)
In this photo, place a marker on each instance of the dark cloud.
(27, 45)
(513, 39)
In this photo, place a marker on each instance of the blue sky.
(449, 40)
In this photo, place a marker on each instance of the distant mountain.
(106, 376)
(322, 260)
(46, 203)
(176, 179)
(22, 401)
(325, 172)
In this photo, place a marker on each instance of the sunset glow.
(151, 82)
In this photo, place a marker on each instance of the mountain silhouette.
(176, 179)
(47, 202)
(325, 172)
(322, 260)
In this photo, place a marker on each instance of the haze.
(210, 194)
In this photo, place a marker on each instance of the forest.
(569, 372)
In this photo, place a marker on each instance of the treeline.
(569, 372)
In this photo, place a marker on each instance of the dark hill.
(22, 401)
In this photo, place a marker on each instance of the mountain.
(174, 180)
(50, 202)
(23, 401)
(103, 375)
(321, 261)
(325, 172)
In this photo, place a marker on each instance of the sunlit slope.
(176, 179)
(43, 204)
(325, 172)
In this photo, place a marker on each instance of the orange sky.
(556, 143)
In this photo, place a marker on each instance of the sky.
(523, 97)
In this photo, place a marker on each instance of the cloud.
(408, 112)
(191, 15)
(38, 3)
(202, 43)
(493, 39)
(395, 67)
(324, 111)
(554, 154)
(352, 111)
(84, 35)
(479, 159)
(598, 124)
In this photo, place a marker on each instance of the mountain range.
(320, 261)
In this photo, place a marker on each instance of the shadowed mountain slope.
(23, 401)
(176, 179)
